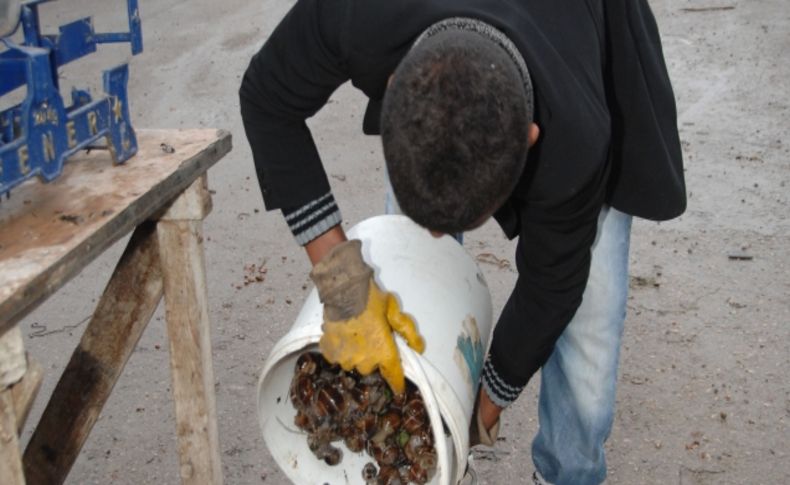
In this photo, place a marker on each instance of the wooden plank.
(51, 231)
(24, 392)
(186, 308)
(10, 464)
(126, 306)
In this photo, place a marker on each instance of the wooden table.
(48, 234)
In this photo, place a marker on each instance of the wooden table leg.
(124, 310)
(10, 459)
(24, 392)
(13, 364)
(183, 269)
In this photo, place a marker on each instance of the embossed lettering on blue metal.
(38, 135)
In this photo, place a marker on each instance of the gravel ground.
(703, 395)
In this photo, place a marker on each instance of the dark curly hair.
(454, 130)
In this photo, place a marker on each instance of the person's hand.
(359, 317)
(366, 342)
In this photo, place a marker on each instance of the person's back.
(578, 74)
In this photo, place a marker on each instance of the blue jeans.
(577, 390)
(390, 202)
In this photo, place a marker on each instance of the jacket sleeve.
(287, 81)
(553, 258)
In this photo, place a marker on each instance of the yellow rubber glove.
(359, 317)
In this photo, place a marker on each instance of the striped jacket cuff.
(313, 219)
(499, 391)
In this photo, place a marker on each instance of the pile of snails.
(333, 405)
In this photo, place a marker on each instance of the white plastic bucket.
(441, 287)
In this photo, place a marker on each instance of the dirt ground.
(703, 393)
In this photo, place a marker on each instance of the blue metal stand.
(38, 135)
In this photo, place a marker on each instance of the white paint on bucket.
(441, 287)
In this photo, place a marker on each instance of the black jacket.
(603, 102)
(321, 44)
